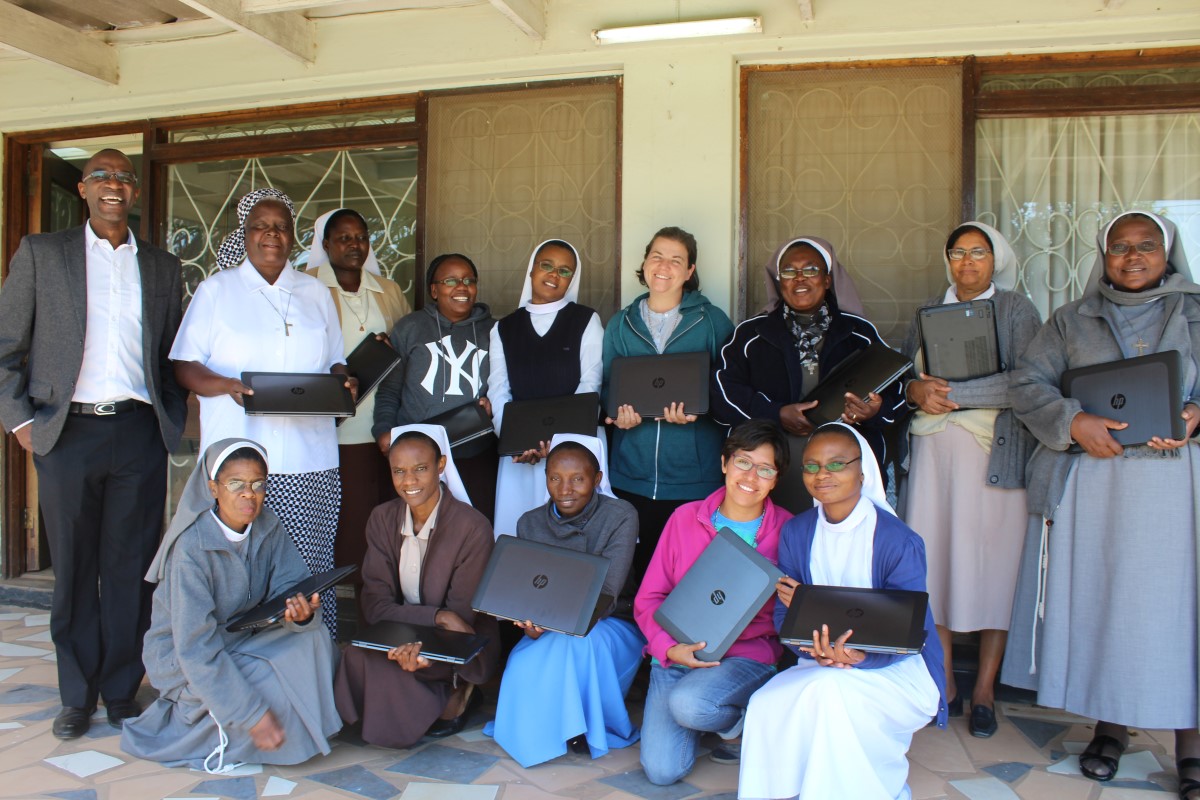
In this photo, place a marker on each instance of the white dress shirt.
(235, 323)
(112, 342)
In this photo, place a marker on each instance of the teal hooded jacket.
(662, 460)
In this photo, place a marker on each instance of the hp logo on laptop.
(717, 597)
(1117, 401)
(854, 613)
(540, 581)
(297, 390)
(659, 383)
(548, 421)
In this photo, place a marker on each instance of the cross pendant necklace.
(1141, 346)
(287, 326)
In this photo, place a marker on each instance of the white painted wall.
(680, 101)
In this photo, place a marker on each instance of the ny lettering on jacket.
(443, 351)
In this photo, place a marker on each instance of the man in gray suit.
(87, 318)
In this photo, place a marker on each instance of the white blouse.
(843, 552)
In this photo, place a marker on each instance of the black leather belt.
(105, 409)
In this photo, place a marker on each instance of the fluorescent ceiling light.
(678, 30)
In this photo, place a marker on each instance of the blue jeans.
(683, 703)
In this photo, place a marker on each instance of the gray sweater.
(1079, 335)
(1017, 322)
(606, 526)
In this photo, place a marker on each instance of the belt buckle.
(104, 409)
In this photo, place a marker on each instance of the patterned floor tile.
(85, 763)
(447, 791)
(988, 788)
(1009, 772)
(636, 783)
(358, 780)
(24, 694)
(278, 787)
(235, 788)
(445, 764)
(76, 794)
(1038, 731)
(1132, 767)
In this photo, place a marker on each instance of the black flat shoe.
(71, 723)
(954, 708)
(442, 728)
(983, 722)
(1106, 751)
(1187, 785)
(121, 710)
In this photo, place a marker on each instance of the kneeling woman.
(426, 552)
(558, 687)
(263, 698)
(814, 732)
(688, 696)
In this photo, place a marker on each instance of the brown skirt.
(402, 705)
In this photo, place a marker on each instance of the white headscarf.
(872, 487)
(1004, 260)
(843, 291)
(572, 295)
(317, 255)
(597, 447)
(450, 475)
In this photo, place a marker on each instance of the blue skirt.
(557, 687)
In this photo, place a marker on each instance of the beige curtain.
(509, 169)
(869, 159)
(1050, 184)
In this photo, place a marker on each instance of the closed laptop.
(1146, 392)
(271, 611)
(883, 620)
(371, 361)
(717, 597)
(297, 394)
(437, 644)
(651, 383)
(553, 587)
(866, 371)
(959, 340)
(466, 423)
(529, 422)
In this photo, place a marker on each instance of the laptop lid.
(297, 394)
(959, 340)
(883, 620)
(271, 611)
(717, 597)
(651, 383)
(865, 371)
(371, 361)
(529, 422)
(1146, 392)
(553, 587)
(464, 423)
(437, 644)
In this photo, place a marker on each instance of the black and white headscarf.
(232, 251)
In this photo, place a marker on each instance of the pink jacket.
(687, 533)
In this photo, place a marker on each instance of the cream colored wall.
(680, 100)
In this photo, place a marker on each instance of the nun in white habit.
(839, 723)
(557, 346)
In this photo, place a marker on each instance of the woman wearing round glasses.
(811, 325)
(965, 489)
(557, 347)
(1105, 623)
(687, 696)
(444, 364)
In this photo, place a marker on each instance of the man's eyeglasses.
(1121, 248)
(236, 485)
(562, 272)
(763, 471)
(103, 176)
(959, 253)
(450, 283)
(808, 271)
(832, 466)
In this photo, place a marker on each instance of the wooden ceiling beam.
(51, 43)
(288, 32)
(528, 15)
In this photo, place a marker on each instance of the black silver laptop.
(718, 596)
(883, 620)
(371, 361)
(528, 422)
(959, 340)
(552, 587)
(297, 394)
(271, 611)
(866, 371)
(464, 424)
(651, 383)
(1146, 392)
(437, 644)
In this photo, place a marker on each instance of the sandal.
(1100, 749)
(1187, 785)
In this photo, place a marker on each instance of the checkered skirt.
(307, 504)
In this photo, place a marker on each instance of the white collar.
(856, 517)
(327, 276)
(951, 295)
(255, 282)
(229, 532)
(90, 238)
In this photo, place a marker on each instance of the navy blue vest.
(544, 366)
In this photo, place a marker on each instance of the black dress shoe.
(71, 723)
(955, 707)
(983, 722)
(442, 728)
(121, 710)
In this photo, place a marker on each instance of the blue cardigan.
(898, 563)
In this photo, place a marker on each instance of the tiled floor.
(1031, 757)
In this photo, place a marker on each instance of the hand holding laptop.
(628, 418)
(1091, 432)
(531, 630)
(1191, 417)
(931, 394)
(833, 654)
(535, 455)
(301, 609)
(859, 410)
(685, 654)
